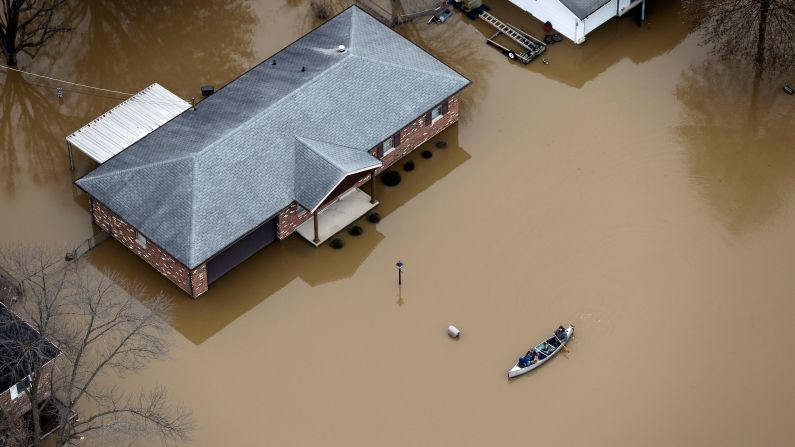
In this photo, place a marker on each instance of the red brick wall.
(21, 404)
(411, 137)
(192, 282)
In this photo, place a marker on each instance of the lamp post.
(399, 266)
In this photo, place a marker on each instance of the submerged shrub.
(373, 217)
(355, 230)
(408, 166)
(391, 178)
(427, 154)
(321, 9)
(441, 144)
(337, 243)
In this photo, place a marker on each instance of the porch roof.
(122, 126)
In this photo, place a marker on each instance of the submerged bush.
(373, 217)
(441, 144)
(391, 178)
(427, 154)
(321, 9)
(408, 166)
(355, 230)
(337, 243)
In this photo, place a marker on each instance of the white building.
(576, 18)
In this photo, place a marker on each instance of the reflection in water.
(28, 142)
(612, 42)
(449, 43)
(119, 36)
(739, 142)
(262, 275)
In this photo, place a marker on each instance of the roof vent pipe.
(341, 48)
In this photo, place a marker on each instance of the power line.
(91, 87)
(66, 82)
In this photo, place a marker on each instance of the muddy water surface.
(634, 186)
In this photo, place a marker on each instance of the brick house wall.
(21, 404)
(411, 137)
(193, 282)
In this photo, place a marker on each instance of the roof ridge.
(406, 67)
(322, 156)
(192, 229)
(131, 169)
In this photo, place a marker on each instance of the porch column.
(372, 186)
(317, 235)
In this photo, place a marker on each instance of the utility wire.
(90, 87)
(66, 82)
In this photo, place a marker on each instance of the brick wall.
(192, 282)
(21, 404)
(411, 137)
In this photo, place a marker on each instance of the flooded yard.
(635, 186)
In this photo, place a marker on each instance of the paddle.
(561, 343)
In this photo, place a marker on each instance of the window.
(140, 239)
(18, 389)
(436, 113)
(388, 145)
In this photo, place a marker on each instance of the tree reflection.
(739, 142)
(122, 45)
(170, 42)
(30, 126)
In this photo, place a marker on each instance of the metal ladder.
(509, 31)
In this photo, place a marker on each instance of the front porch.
(351, 205)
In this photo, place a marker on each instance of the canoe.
(544, 351)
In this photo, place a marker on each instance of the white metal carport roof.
(120, 127)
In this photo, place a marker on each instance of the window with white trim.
(436, 113)
(140, 239)
(388, 145)
(20, 388)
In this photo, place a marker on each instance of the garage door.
(241, 250)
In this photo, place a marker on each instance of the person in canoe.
(528, 359)
(560, 333)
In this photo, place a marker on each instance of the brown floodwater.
(636, 186)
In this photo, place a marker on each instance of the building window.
(436, 113)
(140, 239)
(388, 145)
(18, 389)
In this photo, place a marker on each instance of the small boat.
(543, 352)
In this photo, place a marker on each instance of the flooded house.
(283, 148)
(576, 18)
(22, 353)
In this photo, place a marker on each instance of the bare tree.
(99, 328)
(758, 30)
(25, 25)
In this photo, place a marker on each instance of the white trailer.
(576, 18)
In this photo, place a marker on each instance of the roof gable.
(321, 166)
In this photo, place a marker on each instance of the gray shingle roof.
(209, 176)
(584, 8)
(20, 345)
